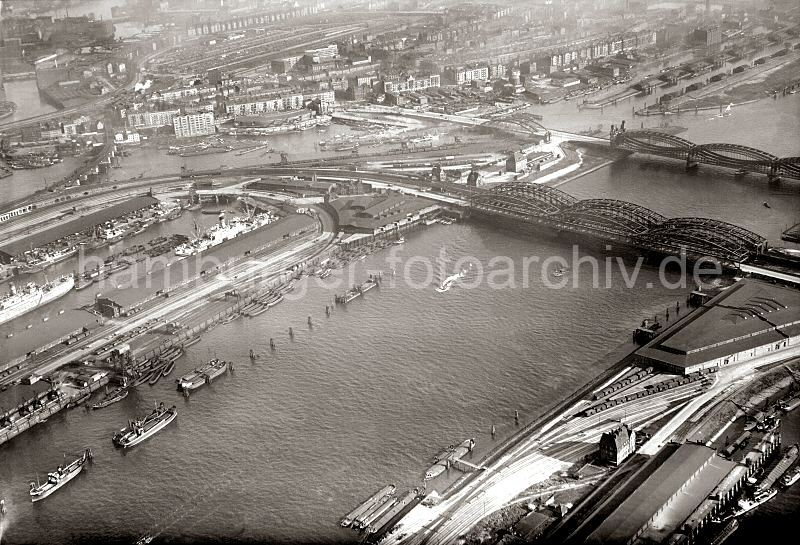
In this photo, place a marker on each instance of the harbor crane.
(754, 416)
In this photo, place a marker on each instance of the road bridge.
(743, 159)
(618, 221)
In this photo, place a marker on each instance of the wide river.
(279, 450)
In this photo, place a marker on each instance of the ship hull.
(127, 441)
(33, 302)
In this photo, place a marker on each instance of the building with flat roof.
(748, 320)
(665, 499)
(199, 124)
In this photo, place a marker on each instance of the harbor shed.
(748, 320)
(666, 498)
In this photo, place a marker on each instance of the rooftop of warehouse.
(748, 314)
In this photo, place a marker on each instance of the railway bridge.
(740, 158)
(618, 221)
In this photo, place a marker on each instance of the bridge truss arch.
(702, 237)
(526, 199)
(610, 216)
(654, 142)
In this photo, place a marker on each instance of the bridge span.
(734, 156)
(605, 219)
(618, 221)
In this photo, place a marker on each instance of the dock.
(43, 406)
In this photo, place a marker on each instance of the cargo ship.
(202, 375)
(223, 231)
(32, 296)
(59, 478)
(139, 430)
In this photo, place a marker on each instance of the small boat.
(139, 430)
(141, 379)
(59, 478)
(155, 376)
(168, 368)
(400, 240)
(190, 342)
(144, 540)
(117, 395)
(766, 205)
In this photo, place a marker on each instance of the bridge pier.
(691, 164)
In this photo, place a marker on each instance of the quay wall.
(51, 408)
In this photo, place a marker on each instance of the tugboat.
(59, 478)
(139, 430)
(791, 477)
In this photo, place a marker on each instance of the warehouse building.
(751, 319)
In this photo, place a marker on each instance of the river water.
(282, 448)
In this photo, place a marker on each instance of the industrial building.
(748, 320)
(666, 497)
(370, 214)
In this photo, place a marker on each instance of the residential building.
(151, 120)
(466, 74)
(199, 124)
(408, 82)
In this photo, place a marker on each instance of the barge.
(367, 504)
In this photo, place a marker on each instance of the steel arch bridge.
(520, 198)
(620, 221)
(733, 156)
